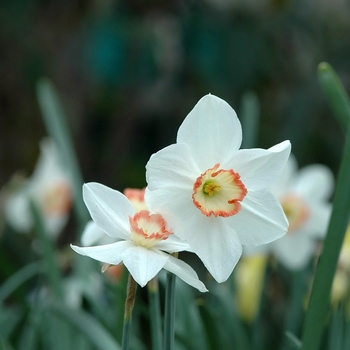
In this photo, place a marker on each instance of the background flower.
(50, 189)
(304, 196)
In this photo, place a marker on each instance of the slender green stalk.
(129, 306)
(319, 299)
(169, 313)
(154, 311)
(52, 269)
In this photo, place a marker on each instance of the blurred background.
(128, 72)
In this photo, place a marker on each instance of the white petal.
(109, 253)
(259, 168)
(216, 244)
(185, 272)
(110, 209)
(281, 186)
(174, 204)
(202, 233)
(314, 181)
(261, 219)
(212, 130)
(172, 165)
(143, 263)
(293, 251)
(92, 234)
(173, 244)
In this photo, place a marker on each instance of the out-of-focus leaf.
(189, 328)
(20, 277)
(10, 317)
(336, 331)
(56, 124)
(335, 93)
(318, 308)
(87, 325)
(53, 272)
(293, 340)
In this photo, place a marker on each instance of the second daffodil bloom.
(141, 238)
(214, 195)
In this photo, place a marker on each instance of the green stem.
(169, 314)
(52, 268)
(319, 299)
(155, 318)
(129, 306)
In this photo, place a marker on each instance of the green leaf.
(336, 330)
(87, 325)
(335, 93)
(53, 272)
(18, 278)
(293, 340)
(56, 124)
(10, 317)
(319, 299)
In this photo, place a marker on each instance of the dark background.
(128, 72)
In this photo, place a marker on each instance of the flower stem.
(129, 306)
(155, 318)
(48, 250)
(169, 314)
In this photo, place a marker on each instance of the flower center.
(148, 229)
(296, 211)
(218, 192)
(57, 199)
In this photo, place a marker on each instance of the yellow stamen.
(210, 188)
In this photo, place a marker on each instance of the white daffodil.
(141, 239)
(304, 197)
(50, 189)
(92, 234)
(212, 194)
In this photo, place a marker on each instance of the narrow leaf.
(319, 299)
(87, 325)
(336, 95)
(56, 124)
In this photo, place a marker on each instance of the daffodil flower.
(142, 238)
(92, 234)
(304, 197)
(50, 189)
(212, 194)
